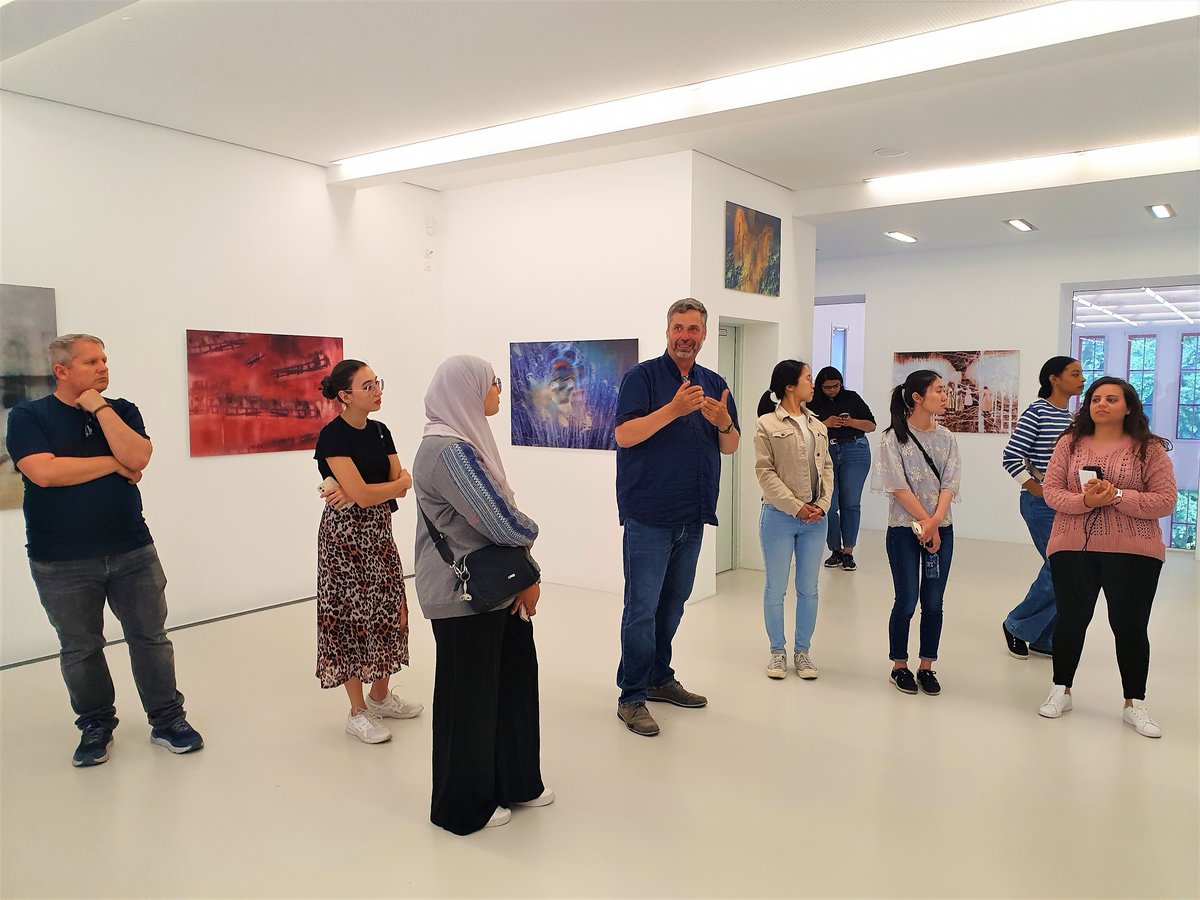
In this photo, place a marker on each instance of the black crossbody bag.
(487, 576)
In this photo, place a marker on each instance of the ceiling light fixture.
(1161, 211)
(1020, 224)
(1041, 26)
(1107, 312)
(890, 152)
(1177, 154)
(1169, 305)
(901, 237)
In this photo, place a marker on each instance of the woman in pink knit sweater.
(1106, 536)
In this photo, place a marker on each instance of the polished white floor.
(841, 787)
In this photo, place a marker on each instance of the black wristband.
(726, 430)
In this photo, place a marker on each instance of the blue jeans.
(73, 594)
(660, 568)
(782, 537)
(851, 463)
(906, 558)
(1033, 619)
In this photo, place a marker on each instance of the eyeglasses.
(371, 387)
(499, 384)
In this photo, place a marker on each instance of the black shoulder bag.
(488, 576)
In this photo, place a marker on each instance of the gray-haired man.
(81, 456)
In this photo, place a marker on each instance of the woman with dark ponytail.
(919, 468)
(791, 460)
(1030, 626)
(362, 613)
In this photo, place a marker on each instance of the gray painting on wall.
(27, 325)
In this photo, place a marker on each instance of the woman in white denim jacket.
(791, 460)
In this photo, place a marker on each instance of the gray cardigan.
(459, 496)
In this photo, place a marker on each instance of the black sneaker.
(848, 564)
(927, 678)
(178, 737)
(835, 560)
(1017, 648)
(904, 681)
(1042, 651)
(93, 746)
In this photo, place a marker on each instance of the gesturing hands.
(689, 398)
(717, 411)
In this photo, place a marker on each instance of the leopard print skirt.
(360, 590)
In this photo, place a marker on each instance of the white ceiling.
(318, 80)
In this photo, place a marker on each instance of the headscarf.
(454, 408)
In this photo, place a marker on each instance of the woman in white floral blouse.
(918, 466)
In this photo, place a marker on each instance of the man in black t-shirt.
(81, 457)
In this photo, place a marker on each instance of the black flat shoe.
(904, 681)
(927, 678)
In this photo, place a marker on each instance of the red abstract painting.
(257, 393)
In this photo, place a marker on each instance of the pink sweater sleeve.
(1061, 489)
(1158, 499)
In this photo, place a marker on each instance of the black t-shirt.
(101, 517)
(845, 402)
(369, 448)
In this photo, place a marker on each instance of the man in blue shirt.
(674, 420)
(81, 457)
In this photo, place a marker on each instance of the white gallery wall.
(773, 328)
(145, 232)
(986, 298)
(595, 254)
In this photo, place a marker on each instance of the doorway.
(729, 365)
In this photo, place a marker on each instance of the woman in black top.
(362, 614)
(849, 421)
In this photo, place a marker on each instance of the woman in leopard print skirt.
(362, 614)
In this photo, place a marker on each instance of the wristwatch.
(1120, 495)
(726, 430)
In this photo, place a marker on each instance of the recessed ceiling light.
(1161, 210)
(890, 152)
(1020, 224)
(901, 237)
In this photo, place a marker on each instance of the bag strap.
(926, 455)
(439, 539)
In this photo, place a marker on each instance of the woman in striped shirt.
(1030, 626)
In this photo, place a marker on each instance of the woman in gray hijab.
(486, 738)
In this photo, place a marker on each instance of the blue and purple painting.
(564, 393)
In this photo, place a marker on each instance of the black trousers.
(1129, 582)
(486, 736)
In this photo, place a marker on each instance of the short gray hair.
(685, 305)
(62, 348)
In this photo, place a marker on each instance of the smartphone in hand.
(1088, 473)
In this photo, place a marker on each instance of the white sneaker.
(544, 799)
(1139, 717)
(804, 666)
(393, 707)
(499, 817)
(367, 727)
(1057, 703)
(777, 667)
